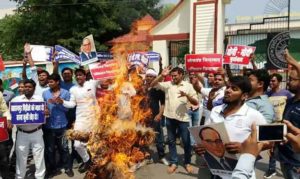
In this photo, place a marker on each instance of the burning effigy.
(120, 132)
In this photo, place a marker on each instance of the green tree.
(66, 22)
(166, 9)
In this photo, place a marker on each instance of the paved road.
(158, 171)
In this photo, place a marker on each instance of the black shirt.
(156, 97)
(285, 152)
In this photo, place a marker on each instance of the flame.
(120, 131)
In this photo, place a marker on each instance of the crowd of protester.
(178, 104)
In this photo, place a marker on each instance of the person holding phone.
(237, 116)
(288, 158)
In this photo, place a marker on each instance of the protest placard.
(63, 53)
(203, 62)
(41, 52)
(214, 137)
(102, 56)
(153, 56)
(238, 54)
(104, 70)
(3, 129)
(27, 112)
(278, 103)
(140, 59)
(88, 53)
(2, 66)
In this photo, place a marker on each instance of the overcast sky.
(6, 4)
(236, 8)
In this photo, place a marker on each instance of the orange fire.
(120, 131)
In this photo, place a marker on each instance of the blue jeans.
(195, 118)
(52, 138)
(172, 126)
(289, 171)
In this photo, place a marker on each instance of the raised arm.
(252, 60)
(27, 52)
(197, 85)
(292, 62)
(160, 77)
(200, 78)
(24, 75)
(55, 63)
(160, 66)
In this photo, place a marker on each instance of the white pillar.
(161, 46)
(208, 26)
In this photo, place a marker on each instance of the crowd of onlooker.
(240, 101)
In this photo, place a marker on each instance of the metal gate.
(261, 35)
(177, 51)
(270, 37)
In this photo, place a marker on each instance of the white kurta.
(84, 98)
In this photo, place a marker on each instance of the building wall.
(161, 46)
(13, 73)
(177, 22)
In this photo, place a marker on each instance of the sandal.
(189, 168)
(172, 168)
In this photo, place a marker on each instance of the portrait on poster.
(88, 52)
(214, 137)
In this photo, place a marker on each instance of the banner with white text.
(104, 70)
(203, 62)
(238, 54)
(27, 112)
(65, 54)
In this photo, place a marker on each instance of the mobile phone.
(271, 132)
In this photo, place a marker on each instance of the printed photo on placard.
(213, 137)
(88, 52)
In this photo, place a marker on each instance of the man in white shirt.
(177, 94)
(236, 115)
(29, 137)
(83, 96)
(212, 96)
(39, 77)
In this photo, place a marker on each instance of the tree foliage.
(166, 9)
(66, 22)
